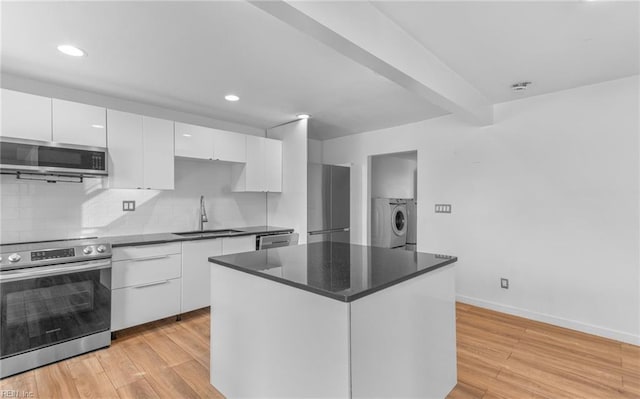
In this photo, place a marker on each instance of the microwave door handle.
(38, 272)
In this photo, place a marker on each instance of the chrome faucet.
(203, 214)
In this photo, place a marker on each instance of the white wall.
(289, 208)
(42, 211)
(547, 196)
(314, 151)
(392, 177)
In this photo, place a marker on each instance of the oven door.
(43, 306)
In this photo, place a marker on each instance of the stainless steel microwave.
(51, 158)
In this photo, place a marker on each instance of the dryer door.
(399, 220)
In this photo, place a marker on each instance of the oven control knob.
(14, 258)
(87, 250)
(101, 248)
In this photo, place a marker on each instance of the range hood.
(29, 158)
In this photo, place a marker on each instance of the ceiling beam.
(364, 34)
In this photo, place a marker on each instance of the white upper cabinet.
(82, 124)
(273, 165)
(254, 171)
(193, 141)
(228, 146)
(126, 148)
(140, 151)
(263, 170)
(158, 153)
(205, 143)
(25, 116)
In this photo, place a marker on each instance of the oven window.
(43, 311)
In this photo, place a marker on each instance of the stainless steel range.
(55, 301)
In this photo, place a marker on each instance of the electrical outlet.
(443, 208)
(128, 206)
(504, 283)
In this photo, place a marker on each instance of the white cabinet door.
(141, 304)
(234, 245)
(254, 171)
(126, 146)
(193, 141)
(263, 170)
(273, 165)
(25, 116)
(158, 153)
(229, 146)
(82, 124)
(196, 272)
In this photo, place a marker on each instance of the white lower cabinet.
(146, 284)
(141, 304)
(151, 282)
(234, 245)
(196, 272)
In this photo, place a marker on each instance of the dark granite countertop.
(345, 272)
(161, 238)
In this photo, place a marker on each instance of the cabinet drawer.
(145, 251)
(134, 272)
(137, 305)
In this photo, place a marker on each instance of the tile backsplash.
(33, 210)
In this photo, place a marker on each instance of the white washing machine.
(389, 222)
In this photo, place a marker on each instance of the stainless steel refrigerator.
(328, 201)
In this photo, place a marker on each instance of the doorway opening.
(393, 196)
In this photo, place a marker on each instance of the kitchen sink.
(208, 233)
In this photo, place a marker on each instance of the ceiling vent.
(520, 86)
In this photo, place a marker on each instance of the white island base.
(271, 340)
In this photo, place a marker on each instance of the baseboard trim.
(557, 321)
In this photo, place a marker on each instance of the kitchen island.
(333, 320)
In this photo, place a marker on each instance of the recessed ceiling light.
(520, 86)
(304, 116)
(186, 135)
(231, 97)
(98, 126)
(71, 50)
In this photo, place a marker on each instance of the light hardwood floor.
(508, 357)
(499, 356)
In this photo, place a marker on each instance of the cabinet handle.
(150, 258)
(152, 284)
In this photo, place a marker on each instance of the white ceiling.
(554, 44)
(188, 55)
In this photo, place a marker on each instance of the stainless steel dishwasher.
(276, 240)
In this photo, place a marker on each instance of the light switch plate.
(504, 283)
(443, 208)
(128, 206)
